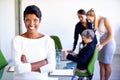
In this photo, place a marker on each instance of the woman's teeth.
(31, 28)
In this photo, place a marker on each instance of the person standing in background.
(33, 52)
(82, 25)
(107, 43)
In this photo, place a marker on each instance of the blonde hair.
(91, 13)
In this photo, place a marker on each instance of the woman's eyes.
(35, 20)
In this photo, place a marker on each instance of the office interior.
(59, 17)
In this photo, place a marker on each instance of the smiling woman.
(32, 23)
(32, 18)
(33, 52)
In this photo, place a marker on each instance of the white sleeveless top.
(101, 28)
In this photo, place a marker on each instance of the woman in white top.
(107, 43)
(33, 52)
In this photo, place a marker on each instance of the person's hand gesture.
(70, 51)
(23, 59)
(65, 53)
(100, 47)
(74, 54)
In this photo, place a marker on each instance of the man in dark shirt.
(85, 54)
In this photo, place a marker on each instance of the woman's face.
(31, 22)
(90, 19)
(82, 17)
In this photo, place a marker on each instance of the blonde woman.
(107, 43)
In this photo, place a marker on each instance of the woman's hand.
(100, 47)
(70, 51)
(74, 54)
(23, 59)
(65, 53)
(45, 61)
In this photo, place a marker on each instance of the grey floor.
(115, 70)
(115, 75)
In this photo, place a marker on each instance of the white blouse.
(101, 28)
(34, 50)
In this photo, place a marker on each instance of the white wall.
(59, 16)
(7, 26)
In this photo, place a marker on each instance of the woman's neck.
(32, 35)
(84, 24)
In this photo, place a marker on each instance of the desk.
(63, 65)
(7, 75)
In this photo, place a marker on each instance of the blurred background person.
(107, 43)
(82, 25)
(85, 54)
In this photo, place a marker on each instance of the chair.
(3, 63)
(58, 45)
(1, 72)
(90, 68)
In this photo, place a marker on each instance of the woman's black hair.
(81, 11)
(32, 9)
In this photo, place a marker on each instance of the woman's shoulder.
(103, 18)
(78, 23)
(47, 37)
(17, 37)
(92, 45)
